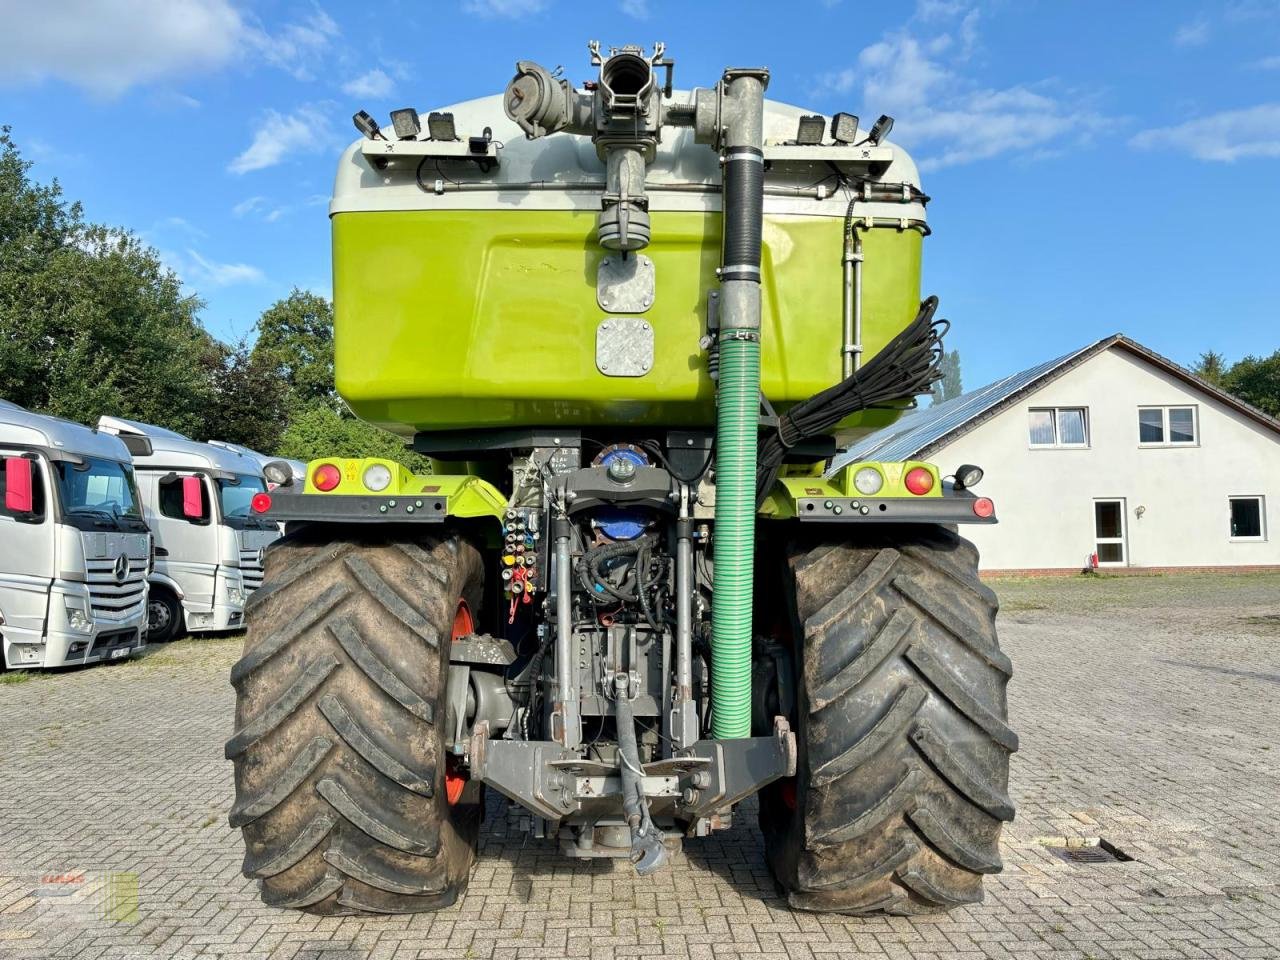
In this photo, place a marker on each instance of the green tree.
(295, 340)
(295, 344)
(249, 402)
(91, 321)
(1212, 367)
(1256, 380)
(319, 431)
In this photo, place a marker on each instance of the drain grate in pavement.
(1090, 851)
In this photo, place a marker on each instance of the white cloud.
(296, 48)
(637, 9)
(495, 9)
(196, 270)
(306, 130)
(180, 225)
(948, 119)
(248, 205)
(1193, 34)
(1266, 63)
(108, 48)
(375, 84)
(223, 274)
(1224, 137)
(1243, 11)
(931, 10)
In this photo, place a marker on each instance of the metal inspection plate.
(624, 347)
(625, 284)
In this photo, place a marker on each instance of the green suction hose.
(737, 422)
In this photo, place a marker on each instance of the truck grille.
(250, 570)
(112, 600)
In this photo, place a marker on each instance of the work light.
(967, 475)
(809, 130)
(440, 126)
(279, 473)
(880, 129)
(367, 125)
(844, 127)
(406, 123)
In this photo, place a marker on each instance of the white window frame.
(1168, 440)
(1057, 444)
(1122, 540)
(1262, 518)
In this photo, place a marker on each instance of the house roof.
(919, 433)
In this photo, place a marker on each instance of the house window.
(1248, 518)
(1058, 427)
(1168, 427)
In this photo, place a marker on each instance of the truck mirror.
(18, 494)
(193, 498)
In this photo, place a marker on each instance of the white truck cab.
(74, 547)
(209, 544)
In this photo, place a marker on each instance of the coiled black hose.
(907, 367)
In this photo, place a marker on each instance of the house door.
(1109, 532)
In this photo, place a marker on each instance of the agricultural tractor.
(631, 327)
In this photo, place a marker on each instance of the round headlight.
(868, 480)
(377, 477)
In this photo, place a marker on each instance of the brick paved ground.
(1149, 712)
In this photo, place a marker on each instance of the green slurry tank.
(631, 327)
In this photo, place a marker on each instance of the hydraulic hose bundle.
(908, 366)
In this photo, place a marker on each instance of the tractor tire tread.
(902, 787)
(339, 761)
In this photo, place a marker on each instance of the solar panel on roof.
(920, 429)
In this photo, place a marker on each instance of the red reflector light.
(983, 507)
(261, 502)
(918, 480)
(326, 477)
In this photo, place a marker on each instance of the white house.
(1111, 451)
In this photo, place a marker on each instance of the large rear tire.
(902, 785)
(340, 764)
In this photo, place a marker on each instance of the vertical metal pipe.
(566, 687)
(851, 349)
(684, 716)
(857, 299)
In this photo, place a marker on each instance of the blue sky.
(1095, 167)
